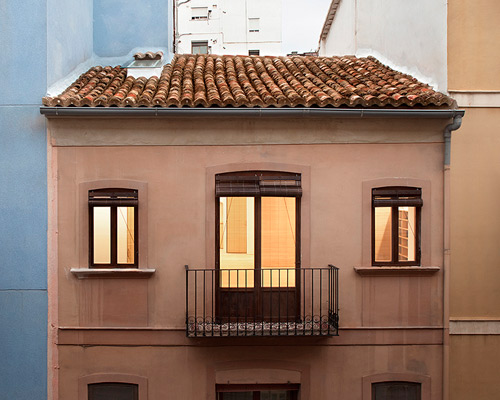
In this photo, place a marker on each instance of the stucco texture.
(474, 209)
(473, 56)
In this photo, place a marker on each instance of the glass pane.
(278, 241)
(274, 395)
(102, 235)
(115, 391)
(125, 232)
(407, 238)
(235, 396)
(383, 234)
(396, 391)
(237, 241)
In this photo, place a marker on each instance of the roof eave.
(248, 112)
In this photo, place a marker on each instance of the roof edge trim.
(246, 112)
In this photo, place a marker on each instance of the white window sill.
(85, 273)
(396, 271)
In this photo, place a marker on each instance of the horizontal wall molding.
(176, 337)
(475, 327)
(476, 98)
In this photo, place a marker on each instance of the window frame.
(86, 380)
(424, 380)
(199, 43)
(258, 193)
(93, 386)
(416, 385)
(254, 52)
(292, 389)
(394, 202)
(113, 202)
(197, 16)
(254, 26)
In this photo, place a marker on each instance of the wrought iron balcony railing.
(267, 302)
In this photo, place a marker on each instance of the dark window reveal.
(113, 391)
(396, 391)
(258, 392)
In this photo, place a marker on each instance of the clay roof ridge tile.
(187, 93)
(322, 91)
(244, 81)
(173, 96)
(133, 95)
(122, 92)
(160, 97)
(146, 97)
(200, 96)
(303, 85)
(221, 82)
(276, 92)
(257, 82)
(236, 90)
(284, 81)
(213, 95)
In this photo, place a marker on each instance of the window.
(113, 228)
(253, 52)
(115, 391)
(199, 13)
(258, 242)
(199, 47)
(258, 392)
(396, 225)
(253, 24)
(396, 391)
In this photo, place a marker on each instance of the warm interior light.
(383, 234)
(278, 241)
(102, 235)
(406, 233)
(237, 241)
(125, 232)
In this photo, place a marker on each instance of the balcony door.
(258, 246)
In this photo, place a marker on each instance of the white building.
(238, 27)
(409, 36)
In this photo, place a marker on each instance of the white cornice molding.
(476, 98)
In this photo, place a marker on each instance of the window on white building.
(200, 47)
(253, 24)
(199, 13)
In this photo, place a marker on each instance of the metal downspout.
(457, 122)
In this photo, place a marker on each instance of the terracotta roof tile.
(149, 55)
(242, 81)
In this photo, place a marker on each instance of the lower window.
(258, 392)
(396, 391)
(114, 391)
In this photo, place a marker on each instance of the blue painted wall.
(122, 25)
(23, 204)
(69, 36)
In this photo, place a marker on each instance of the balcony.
(267, 302)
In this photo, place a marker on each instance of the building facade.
(294, 251)
(473, 57)
(228, 27)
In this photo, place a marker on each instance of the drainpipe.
(457, 122)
